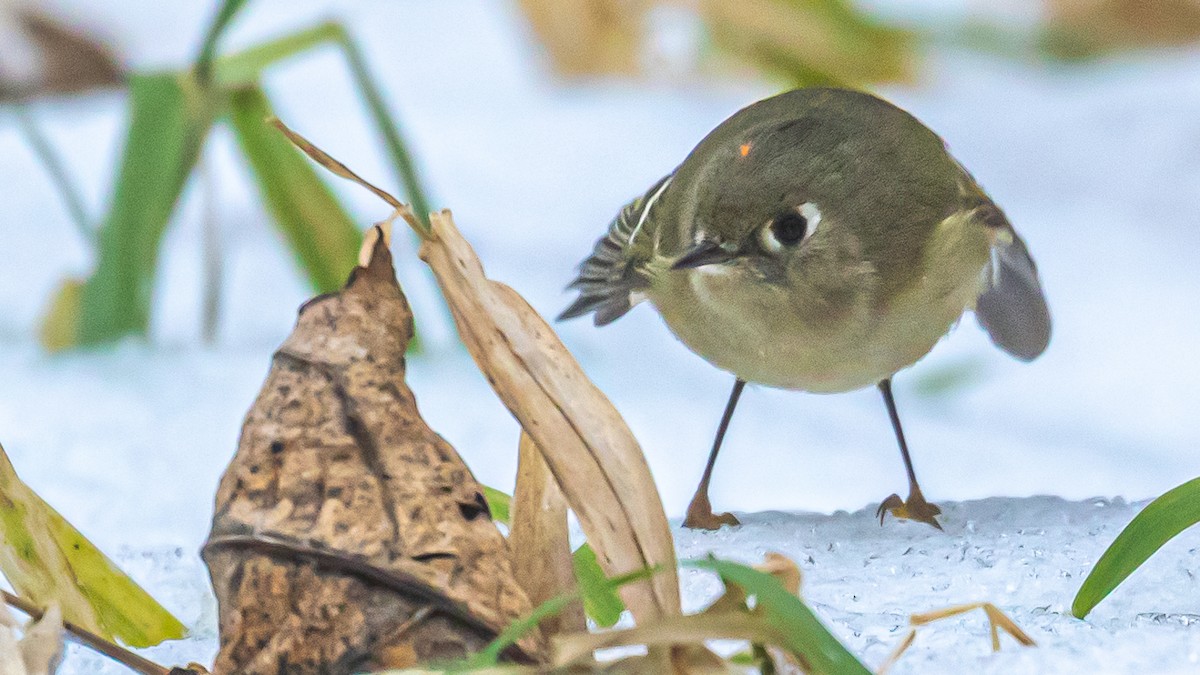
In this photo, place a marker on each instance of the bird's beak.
(704, 253)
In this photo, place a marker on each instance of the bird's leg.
(700, 514)
(915, 507)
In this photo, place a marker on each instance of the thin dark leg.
(700, 514)
(915, 508)
(885, 387)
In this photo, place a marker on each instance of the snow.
(1096, 165)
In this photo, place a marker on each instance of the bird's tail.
(608, 279)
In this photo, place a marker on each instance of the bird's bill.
(704, 253)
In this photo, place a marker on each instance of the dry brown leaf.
(805, 38)
(1087, 27)
(348, 535)
(783, 569)
(42, 55)
(590, 450)
(590, 37)
(588, 446)
(540, 542)
(692, 629)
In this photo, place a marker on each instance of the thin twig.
(57, 170)
(402, 161)
(91, 640)
(338, 169)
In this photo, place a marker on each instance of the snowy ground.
(1097, 166)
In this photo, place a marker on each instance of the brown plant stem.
(91, 640)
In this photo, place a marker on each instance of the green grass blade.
(601, 601)
(245, 67)
(321, 235)
(805, 634)
(518, 629)
(48, 561)
(57, 170)
(499, 503)
(169, 119)
(1157, 524)
(402, 162)
(208, 49)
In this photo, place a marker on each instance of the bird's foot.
(915, 508)
(700, 515)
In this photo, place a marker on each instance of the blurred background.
(156, 238)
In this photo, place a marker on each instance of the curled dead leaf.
(348, 535)
(539, 540)
(589, 448)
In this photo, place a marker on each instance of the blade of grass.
(169, 119)
(499, 503)
(208, 49)
(490, 655)
(601, 601)
(57, 170)
(402, 163)
(246, 67)
(805, 635)
(49, 562)
(320, 233)
(1158, 523)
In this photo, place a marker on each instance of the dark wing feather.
(608, 278)
(1013, 308)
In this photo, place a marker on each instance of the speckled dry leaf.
(590, 450)
(540, 542)
(589, 37)
(348, 535)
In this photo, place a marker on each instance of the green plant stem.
(58, 172)
(245, 67)
(208, 49)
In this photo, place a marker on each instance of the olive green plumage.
(822, 240)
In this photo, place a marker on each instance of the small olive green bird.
(819, 240)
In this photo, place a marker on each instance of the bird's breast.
(838, 338)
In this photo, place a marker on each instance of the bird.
(820, 240)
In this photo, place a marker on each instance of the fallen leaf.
(539, 540)
(346, 529)
(49, 562)
(589, 448)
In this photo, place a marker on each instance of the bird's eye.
(791, 227)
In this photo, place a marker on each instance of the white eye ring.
(810, 217)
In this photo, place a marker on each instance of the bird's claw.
(916, 508)
(700, 516)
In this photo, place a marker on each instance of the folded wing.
(1013, 308)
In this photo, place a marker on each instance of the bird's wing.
(1012, 308)
(607, 279)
